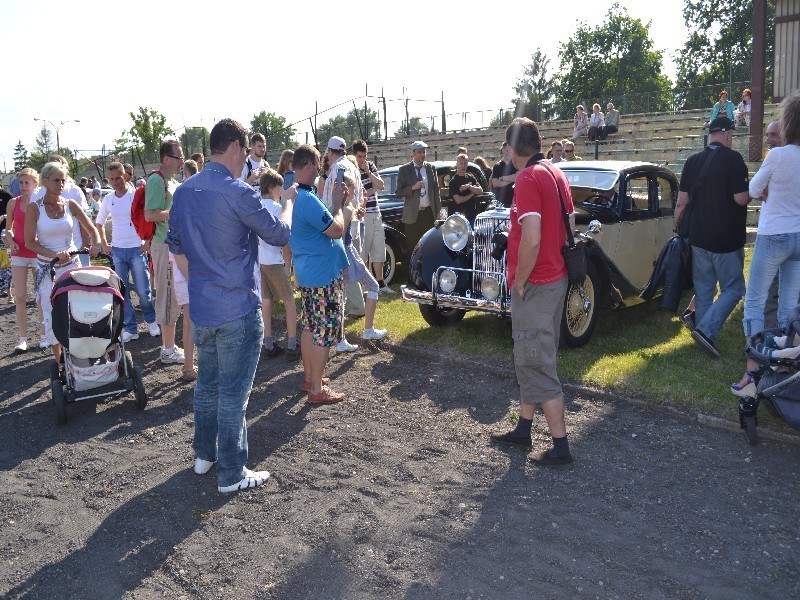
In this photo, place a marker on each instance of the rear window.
(595, 180)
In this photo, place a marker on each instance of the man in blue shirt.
(319, 258)
(215, 223)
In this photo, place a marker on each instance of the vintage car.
(392, 209)
(625, 210)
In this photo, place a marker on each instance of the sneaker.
(155, 330)
(127, 336)
(172, 356)
(325, 396)
(511, 438)
(22, 346)
(44, 345)
(201, 467)
(549, 458)
(345, 346)
(251, 479)
(272, 352)
(386, 290)
(293, 355)
(307, 384)
(373, 334)
(705, 344)
(687, 318)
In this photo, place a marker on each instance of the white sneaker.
(373, 334)
(201, 467)
(345, 346)
(155, 330)
(251, 479)
(172, 356)
(386, 290)
(127, 337)
(22, 346)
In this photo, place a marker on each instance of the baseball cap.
(418, 145)
(720, 124)
(337, 143)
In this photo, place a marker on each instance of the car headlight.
(455, 232)
(490, 288)
(447, 280)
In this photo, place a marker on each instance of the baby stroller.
(777, 378)
(88, 304)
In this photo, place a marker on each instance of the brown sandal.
(325, 396)
(190, 374)
(307, 384)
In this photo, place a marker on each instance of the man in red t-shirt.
(538, 277)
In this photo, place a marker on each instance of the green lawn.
(639, 351)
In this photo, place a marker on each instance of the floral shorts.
(322, 313)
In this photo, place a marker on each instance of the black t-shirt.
(504, 194)
(717, 223)
(4, 198)
(469, 208)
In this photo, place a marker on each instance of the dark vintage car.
(625, 212)
(392, 209)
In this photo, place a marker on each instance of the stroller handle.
(76, 252)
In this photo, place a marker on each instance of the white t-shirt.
(262, 164)
(123, 233)
(351, 170)
(73, 192)
(780, 172)
(267, 253)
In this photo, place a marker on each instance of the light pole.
(58, 129)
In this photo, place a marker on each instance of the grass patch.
(639, 351)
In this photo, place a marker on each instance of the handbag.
(574, 251)
(684, 222)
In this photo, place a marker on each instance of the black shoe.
(687, 318)
(706, 344)
(274, 351)
(293, 355)
(549, 458)
(512, 438)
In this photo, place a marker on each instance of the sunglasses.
(176, 157)
(570, 151)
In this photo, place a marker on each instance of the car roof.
(605, 165)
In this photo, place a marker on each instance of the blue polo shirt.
(318, 259)
(215, 221)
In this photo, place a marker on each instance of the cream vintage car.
(624, 210)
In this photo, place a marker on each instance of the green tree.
(45, 144)
(20, 156)
(719, 50)
(534, 90)
(613, 61)
(503, 117)
(195, 139)
(149, 129)
(416, 128)
(351, 127)
(274, 128)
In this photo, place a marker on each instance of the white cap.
(337, 143)
(418, 145)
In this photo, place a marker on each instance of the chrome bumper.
(448, 301)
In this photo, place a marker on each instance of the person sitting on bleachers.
(580, 122)
(723, 104)
(612, 122)
(596, 120)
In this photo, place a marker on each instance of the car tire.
(441, 317)
(389, 264)
(580, 310)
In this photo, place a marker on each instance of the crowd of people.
(596, 126)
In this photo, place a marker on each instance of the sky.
(87, 60)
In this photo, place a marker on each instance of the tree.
(416, 128)
(534, 90)
(149, 129)
(719, 50)
(274, 128)
(614, 61)
(44, 141)
(20, 156)
(351, 127)
(195, 139)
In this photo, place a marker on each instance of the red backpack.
(144, 228)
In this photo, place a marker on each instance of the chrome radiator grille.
(485, 227)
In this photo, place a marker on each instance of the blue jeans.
(134, 262)
(772, 254)
(708, 268)
(227, 357)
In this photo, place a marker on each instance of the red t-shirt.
(536, 196)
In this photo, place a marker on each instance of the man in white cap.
(419, 186)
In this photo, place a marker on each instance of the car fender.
(430, 254)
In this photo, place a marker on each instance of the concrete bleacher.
(662, 138)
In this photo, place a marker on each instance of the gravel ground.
(395, 493)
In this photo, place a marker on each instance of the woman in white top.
(596, 121)
(580, 122)
(743, 110)
(778, 240)
(48, 232)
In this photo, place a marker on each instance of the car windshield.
(592, 179)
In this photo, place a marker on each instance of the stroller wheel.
(55, 375)
(58, 401)
(138, 388)
(750, 427)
